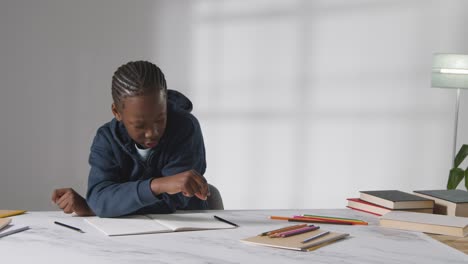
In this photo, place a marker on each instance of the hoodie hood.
(179, 101)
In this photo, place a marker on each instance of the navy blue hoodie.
(119, 181)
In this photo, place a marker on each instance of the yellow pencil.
(274, 217)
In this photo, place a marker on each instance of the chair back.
(215, 201)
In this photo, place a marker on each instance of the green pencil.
(332, 217)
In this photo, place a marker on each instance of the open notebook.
(156, 223)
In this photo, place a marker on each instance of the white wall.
(302, 103)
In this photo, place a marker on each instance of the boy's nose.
(151, 133)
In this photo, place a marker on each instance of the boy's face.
(144, 117)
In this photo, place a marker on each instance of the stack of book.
(428, 223)
(385, 201)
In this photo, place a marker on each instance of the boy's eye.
(138, 127)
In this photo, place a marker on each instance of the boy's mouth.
(151, 144)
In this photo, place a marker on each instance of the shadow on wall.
(304, 103)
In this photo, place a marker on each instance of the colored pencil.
(312, 220)
(315, 237)
(282, 229)
(274, 217)
(333, 217)
(354, 222)
(305, 220)
(296, 231)
(308, 220)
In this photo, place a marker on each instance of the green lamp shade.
(450, 71)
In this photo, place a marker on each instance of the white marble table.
(48, 243)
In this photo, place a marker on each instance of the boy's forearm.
(111, 200)
(159, 185)
(189, 183)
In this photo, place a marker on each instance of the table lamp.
(451, 71)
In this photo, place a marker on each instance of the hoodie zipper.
(149, 159)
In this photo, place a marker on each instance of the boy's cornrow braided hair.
(136, 78)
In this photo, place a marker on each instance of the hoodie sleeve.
(187, 152)
(108, 194)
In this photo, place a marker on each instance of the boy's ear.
(116, 113)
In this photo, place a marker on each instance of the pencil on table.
(296, 231)
(305, 220)
(334, 218)
(354, 222)
(274, 217)
(315, 237)
(282, 229)
(311, 220)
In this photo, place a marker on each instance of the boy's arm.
(108, 195)
(186, 160)
(71, 202)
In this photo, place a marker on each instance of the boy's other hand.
(189, 183)
(70, 201)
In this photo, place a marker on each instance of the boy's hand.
(70, 201)
(189, 183)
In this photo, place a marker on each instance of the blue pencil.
(315, 237)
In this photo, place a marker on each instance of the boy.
(150, 158)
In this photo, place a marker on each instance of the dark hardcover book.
(447, 202)
(395, 199)
(454, 196)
